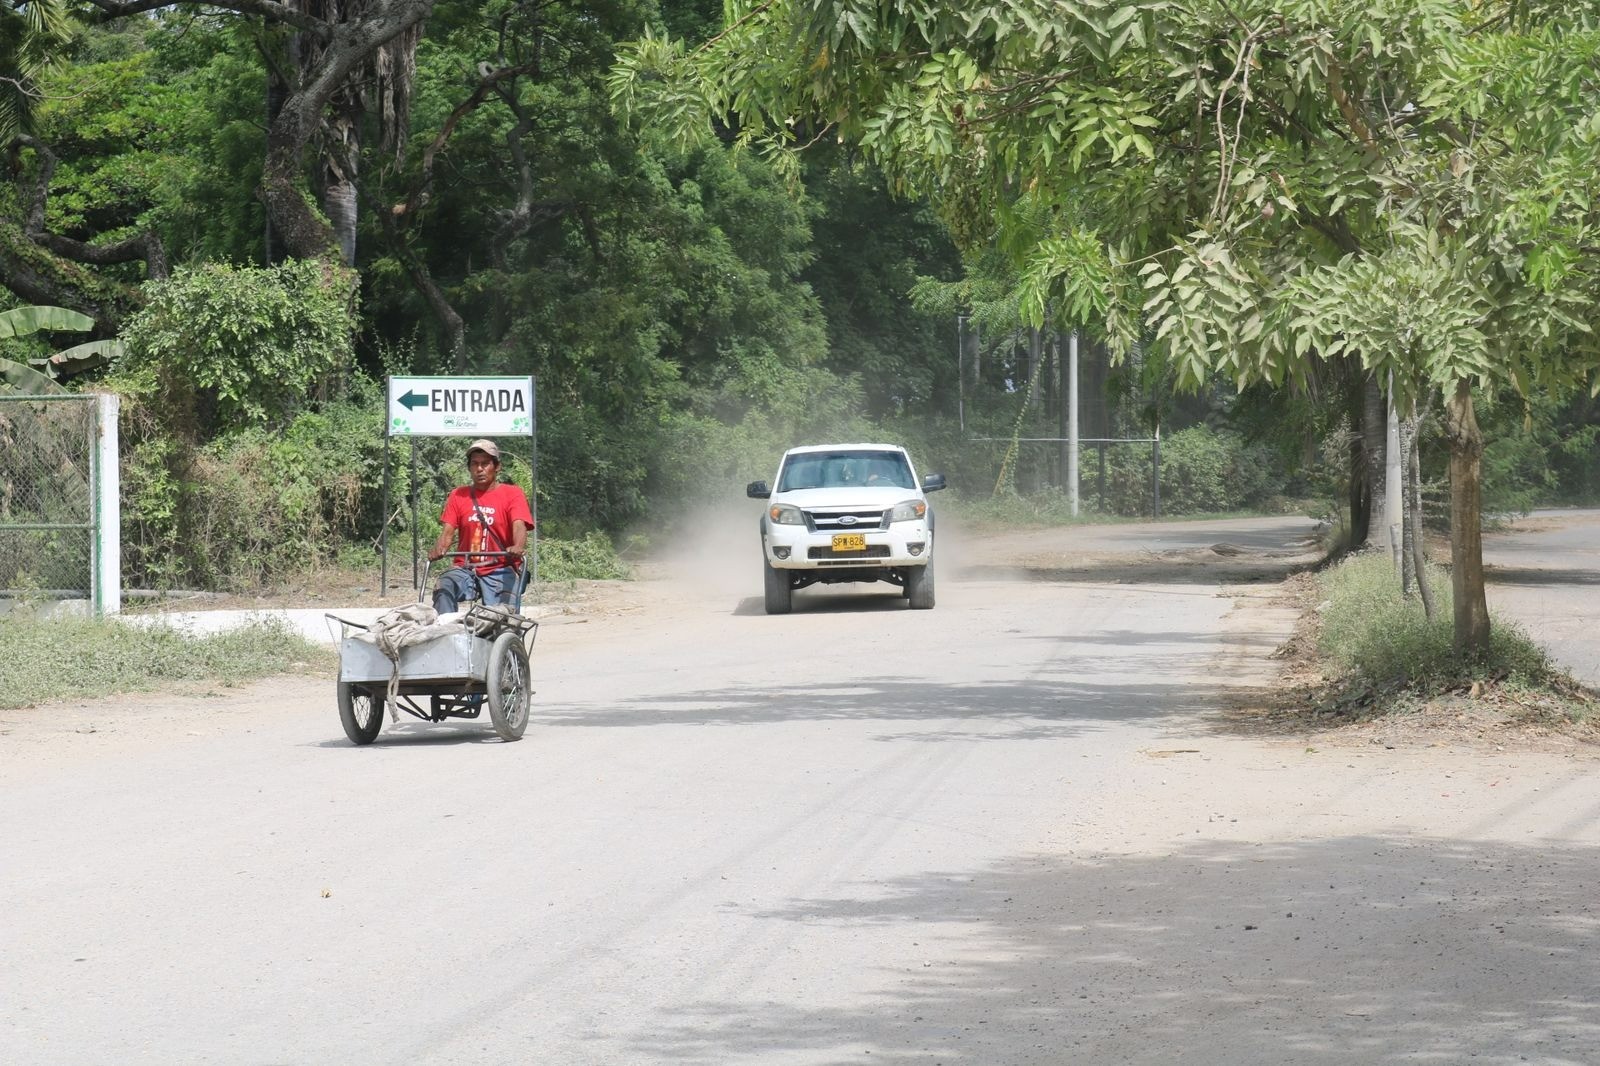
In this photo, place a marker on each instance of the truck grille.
(829, 522)
(873, 551)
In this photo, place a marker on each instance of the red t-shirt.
(501, 505)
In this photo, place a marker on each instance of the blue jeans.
(460, 583)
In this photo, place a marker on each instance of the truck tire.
(779, 593)
(919, 586)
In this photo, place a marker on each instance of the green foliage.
(26, 321)
(1009, 510)
(590, 558)
(159, 125)
(82, 658)
(1203, 471)
(1540, 452)
(871, 251)
(1377, 638)
(258, 339)
(24, 379)
(32, 37)
(254, 505)
(22, 321)
(1284, 182)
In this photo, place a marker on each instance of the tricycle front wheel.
(509, 688)
(360, 712)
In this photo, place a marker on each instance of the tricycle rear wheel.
(509, 685)
(360, 712)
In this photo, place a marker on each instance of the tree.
(337, 45)
(1250, 188)
(32, 34)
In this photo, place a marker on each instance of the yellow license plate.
(849, 542)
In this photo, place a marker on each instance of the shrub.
(590, 558)
(1203, 471)
(1372, 634)
(253, 338)
(254, 505)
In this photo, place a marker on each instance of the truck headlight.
(785, 515)
(910, 511)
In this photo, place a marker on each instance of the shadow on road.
(1358, 949)
(1045, 707)
(831, 602)
(1150, 570)
(1517, 575)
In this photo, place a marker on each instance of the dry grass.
(1516, 701)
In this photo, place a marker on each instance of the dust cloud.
(713, 550)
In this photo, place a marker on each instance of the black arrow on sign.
(412, 401)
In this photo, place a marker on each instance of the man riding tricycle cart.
(459, 661)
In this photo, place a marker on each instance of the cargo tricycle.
(481, 662)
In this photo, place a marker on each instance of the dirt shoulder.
(1306, 704)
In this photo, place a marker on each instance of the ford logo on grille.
(847, 520)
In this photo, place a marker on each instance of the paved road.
(1544, 573)
(1010, 830)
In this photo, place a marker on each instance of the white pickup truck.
(846, 512)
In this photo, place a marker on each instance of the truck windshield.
(845, 469)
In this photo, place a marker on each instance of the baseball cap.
(487, 447)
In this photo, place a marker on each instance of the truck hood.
(853, 499)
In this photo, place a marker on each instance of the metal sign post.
(459, 407)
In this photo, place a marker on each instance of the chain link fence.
(47, 497)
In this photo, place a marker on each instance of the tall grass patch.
(82, 658)
(591, 557)
(1375, 636)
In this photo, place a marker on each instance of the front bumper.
(792, 547)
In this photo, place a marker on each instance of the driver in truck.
(485, 516)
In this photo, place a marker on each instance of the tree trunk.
(1466, 522)
(1414, 555)
(1374, 442)
(1035, 355)
(304, 233)
(340, 203)
(38, 276)
(1349, 378)
(1410, 517)
(450, 320)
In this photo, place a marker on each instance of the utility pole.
(1072, 423)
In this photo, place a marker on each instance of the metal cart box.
(456, 656)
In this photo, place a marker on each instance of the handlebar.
(471, 557)
(480, 555)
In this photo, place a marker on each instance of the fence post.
(1155, 470)
(106, 550)
(1102, 449)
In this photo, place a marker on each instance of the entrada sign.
(460, 406)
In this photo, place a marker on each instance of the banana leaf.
(39, 318)
(14, 377)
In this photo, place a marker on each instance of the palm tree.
(32, 33)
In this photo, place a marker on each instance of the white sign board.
(460, 407)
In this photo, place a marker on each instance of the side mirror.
(757, 490)
(932, 482)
